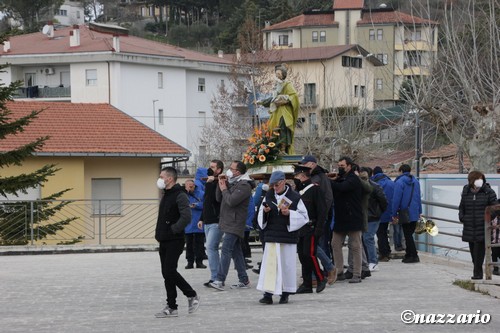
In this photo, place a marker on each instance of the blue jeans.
(369, 241)
(231, 248)
(326, 262)
(213, 237)
(397, 235)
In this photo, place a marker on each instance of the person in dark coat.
(311, 195)
(174, 215)
(476, 196)
(347, 196)
(387, 184)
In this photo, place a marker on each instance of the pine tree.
(14, 215)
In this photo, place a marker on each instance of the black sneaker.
(189, 266)
(284, 299)
(207, 284)
(266, 300)
(341, 277)
(303, 290)
(348, 275)
(200, 265)
(365, 274)
(321, 286)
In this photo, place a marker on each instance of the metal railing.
(42, 92)
(431, 243)
(78, 221)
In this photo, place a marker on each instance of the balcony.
(43, 92)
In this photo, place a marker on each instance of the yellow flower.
(262, 158)
(271, 144)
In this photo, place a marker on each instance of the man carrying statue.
(284, 109)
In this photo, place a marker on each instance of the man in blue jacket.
(195, 237)
(387, 185)
(407, 196)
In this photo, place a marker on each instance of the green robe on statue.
(285, 116)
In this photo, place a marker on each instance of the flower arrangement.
(264, 147)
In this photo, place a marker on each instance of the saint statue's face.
(279, 74)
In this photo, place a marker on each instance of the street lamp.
(154, 114)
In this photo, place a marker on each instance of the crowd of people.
(312, 216)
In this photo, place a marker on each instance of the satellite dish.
(46, 29)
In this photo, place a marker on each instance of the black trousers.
(195, 247)
(384, 248)
(306, 249)
(408, 231)
(170, 251)
(245, 245)
(477, 252)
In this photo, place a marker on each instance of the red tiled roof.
(305, 20)
(304, 54)
(93, 41)
(384, 17)
(348, 4)
(87, 129)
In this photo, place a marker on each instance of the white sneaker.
(193, 303)
(167, 312)
(373, 267)
(241, 285)
(217, 285)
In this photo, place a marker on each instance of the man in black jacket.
(347, 195)
(210, 219)
(309, 234)
(174, 215)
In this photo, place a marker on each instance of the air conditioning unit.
(49, 71)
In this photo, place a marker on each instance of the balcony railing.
(43, 92)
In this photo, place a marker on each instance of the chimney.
(74, 36)
(220, 54)
(238, 54)
(6, 46)
(116, 43)
(267, 24)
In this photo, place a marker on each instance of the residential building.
(405, 43)
(71, 12)
(105, 157)
(165, 87)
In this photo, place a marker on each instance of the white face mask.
(160, 183)
(478, 183)
(229, 174)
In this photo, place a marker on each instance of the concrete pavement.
(121, 292)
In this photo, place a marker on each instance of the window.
(202, 116)
(160, 80)
(29, 79)
(283, 40)
(359, 91)
(372, 34)
(222, 84)
(313, 125)
(106, 196)
(380, 34)
(160, 117)
(352, 62)
(314, 36)
(382, 57)
(322, 36)
(416, 35)
(77, 14)
(201, 84)
(413, 59)
(310, 94)
(91, 77)
(62, 12)
(379, 84)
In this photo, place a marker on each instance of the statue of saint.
(284, 109)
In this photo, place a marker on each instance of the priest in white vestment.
(281, 214)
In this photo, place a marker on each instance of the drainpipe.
(109, 83)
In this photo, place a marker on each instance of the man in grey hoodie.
(233, 193)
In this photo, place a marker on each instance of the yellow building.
(109, 161)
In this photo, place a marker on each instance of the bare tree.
(461, 95)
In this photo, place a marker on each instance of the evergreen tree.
(14, 224)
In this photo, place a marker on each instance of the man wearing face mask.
(174, 214)
(312, 231)
(347, 197)
(210, 219)
(233, 192)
